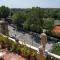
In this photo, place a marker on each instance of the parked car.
(52, 39)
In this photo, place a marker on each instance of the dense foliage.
(44, 12)
(31, 20)
(34, 19)
(4, 12)
(56, 49)
(16, 47)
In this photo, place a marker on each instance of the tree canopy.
(4, 12)
(56, 49)
(33, 19)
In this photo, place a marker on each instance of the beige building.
(3, 27)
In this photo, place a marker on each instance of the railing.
(54, 56)
(51, 55)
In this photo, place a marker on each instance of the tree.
(56, 49)
(48, 24)
(18, 19)
(4, 12)
(26, 25)
(34, 21)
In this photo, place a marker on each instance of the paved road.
(25, 37)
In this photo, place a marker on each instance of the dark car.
(13, 25)
(52, 39)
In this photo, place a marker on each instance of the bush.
(17, 48)
(25, 51)
(56, 49)
(49, 58)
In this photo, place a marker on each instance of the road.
(26, 38)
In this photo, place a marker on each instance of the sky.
(30, 3)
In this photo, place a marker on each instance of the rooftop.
(56, 29)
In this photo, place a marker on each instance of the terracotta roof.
(56, 28)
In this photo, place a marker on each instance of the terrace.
(18, 51)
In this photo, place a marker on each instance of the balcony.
(23, 50)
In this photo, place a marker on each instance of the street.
(26, 38)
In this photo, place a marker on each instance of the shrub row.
(17, 48)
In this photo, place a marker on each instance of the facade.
(3, 27)
(56, 27)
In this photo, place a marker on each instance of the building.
(3, 27)
(56, 27)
